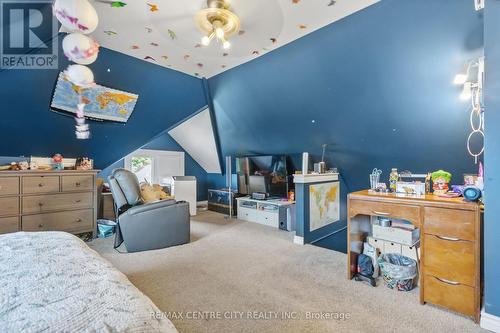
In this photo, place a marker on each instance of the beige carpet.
(232, 268)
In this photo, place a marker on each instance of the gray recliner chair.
(149, 226)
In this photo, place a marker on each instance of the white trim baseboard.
(298, 240)
(490, 322)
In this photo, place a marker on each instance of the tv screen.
(263, 174)
(101, 103)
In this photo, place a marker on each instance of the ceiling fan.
(217, 21)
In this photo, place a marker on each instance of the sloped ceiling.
(164, 31)
(196, 136)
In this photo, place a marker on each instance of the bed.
(53, 282)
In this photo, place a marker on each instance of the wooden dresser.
(450, 233)
(48, 200)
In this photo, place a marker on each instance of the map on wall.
(101, 103)
(324, 207)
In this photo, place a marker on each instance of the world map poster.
(101, 103)
(324, 204)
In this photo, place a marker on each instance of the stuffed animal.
(23, 165)
(152, 193)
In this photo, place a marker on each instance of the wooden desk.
(450, 232)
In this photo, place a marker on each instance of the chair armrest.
(150, 206)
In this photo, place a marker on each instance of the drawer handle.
(380, 213)
(78, 220)
(451, 239)
(77, 184)
(40, 185)
(40, 225)
(40, 204)
(78, 201)
(453, 283)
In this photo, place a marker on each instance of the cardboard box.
(396, 235)
(376, 243)
(409, 251)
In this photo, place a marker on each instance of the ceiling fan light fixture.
(217, 21)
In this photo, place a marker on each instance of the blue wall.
(28, 127)
(492, 159)
(375, 86)
(165, 142)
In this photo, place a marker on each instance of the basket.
(106, 228)
(399, 272)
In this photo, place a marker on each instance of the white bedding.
(53, 282)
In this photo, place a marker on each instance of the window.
(155, 166)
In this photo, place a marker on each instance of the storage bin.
(398, 235)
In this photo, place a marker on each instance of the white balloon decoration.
(76, 15)
(79, 18)
(80, 75)
(80, 49)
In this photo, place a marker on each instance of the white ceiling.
(168, 35)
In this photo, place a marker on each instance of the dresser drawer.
(52, 202)
(72, 221)
(453, 260)
(456, 297)
(9, 206)
(404, 212)
(77, 183)
(9, 224)
(9, 185)
(40, 184)
(450, 223)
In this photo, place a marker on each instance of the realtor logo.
(28, 39)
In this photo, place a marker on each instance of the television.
(266, 174)
(101, 103)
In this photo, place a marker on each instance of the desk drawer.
(40, 184)
(458, 297)
(9, 185)
(450, 223)
(72, 221)
(453, 260)
(404, 212)
(9, 224)
(52, 202)
(77, 183)
(9, 206)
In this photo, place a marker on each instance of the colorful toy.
(57, 161)
(440, 181)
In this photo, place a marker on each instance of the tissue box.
(397, 235)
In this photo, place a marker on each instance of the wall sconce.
(472, 81)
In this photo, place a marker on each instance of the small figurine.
(83, 163)
(440, 180)
(33, 165)
(23, 165)
(57, 160)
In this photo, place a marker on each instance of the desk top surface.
(412, 199)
